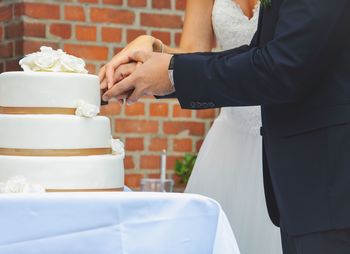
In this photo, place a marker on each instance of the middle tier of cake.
(54, 132)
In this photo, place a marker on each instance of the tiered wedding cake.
(49, 131)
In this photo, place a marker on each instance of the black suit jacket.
(298, 68)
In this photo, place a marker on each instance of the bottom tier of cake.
(80, 173)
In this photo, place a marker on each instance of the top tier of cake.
(48, 89)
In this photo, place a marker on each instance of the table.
(118, 223)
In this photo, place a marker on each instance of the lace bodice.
(232, 29)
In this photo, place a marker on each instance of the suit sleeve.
(308, 37)
(234, 51)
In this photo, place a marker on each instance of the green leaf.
(265, 3)
(184, 167)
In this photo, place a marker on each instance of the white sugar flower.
(50, 60)
(117, 147)
(19, 184)
(46, 62)
(72, 64)
(85, 109)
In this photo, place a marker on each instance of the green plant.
(183, 167)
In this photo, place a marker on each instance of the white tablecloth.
(118, 223)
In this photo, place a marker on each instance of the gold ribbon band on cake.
(37, 111)
(55, 152)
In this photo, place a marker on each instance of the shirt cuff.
(171, 76)
(171, 70)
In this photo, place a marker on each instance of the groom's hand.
(123, 71)
(151, 78)
(145, 43)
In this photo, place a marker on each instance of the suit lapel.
(267, 22)
(261, 15)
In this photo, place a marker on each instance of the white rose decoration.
(117, 147)
(72, 64)
(50, 60)
(85, 109)
(46, 62)
(19, 184)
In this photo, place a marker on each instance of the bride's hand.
(121, 72)
(144, 43)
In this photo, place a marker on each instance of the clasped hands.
(136, 71)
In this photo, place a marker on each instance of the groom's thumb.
(140, 56)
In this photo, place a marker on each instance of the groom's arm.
(231, 52)
(307, 39)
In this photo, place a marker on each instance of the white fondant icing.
(83, 172)
(44, 89)
(54, 132)
(62, 90)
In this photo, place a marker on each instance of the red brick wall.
(95, 30)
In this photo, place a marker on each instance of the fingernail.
(129, 103)
(105, 97)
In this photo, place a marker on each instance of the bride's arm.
(197, 36)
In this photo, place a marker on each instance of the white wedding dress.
(229, 165)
